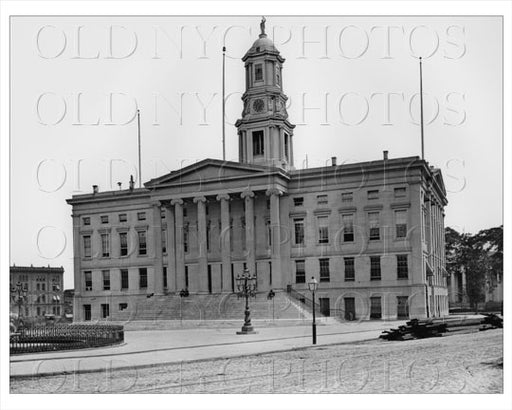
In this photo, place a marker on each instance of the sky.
(352, 84)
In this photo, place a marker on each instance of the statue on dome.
(262, 25)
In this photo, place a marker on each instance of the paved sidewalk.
(153, 348)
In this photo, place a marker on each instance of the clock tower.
(265, 136)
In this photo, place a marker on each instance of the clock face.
(258, 105)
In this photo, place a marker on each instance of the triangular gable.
(208, 169)
(439, 179)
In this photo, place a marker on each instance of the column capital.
(157, 203)
(199, 199)
(223, 196)
(177, 201)
(274, 191)
(247, 194)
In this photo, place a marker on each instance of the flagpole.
(421, 113)
(138, 137)
(223, 103)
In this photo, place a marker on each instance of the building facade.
(372, 233)
(43, 293)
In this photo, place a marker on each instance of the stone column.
(158, 279)
(275, 227)
(464, 292)
(179, 273)
(248, 197)
(77, 274)
(202, 256)
(171, 249)
(225, 241)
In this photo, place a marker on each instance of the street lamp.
(20, 292)
(270, 296)
(246, 286)
(313, 286)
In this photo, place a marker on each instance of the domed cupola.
(265, 135)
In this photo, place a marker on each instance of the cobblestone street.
(465, 363)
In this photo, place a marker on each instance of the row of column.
(175, 239)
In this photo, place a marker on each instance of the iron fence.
(64, 337)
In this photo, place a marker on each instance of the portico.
(209, 229)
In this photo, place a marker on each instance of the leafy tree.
(479, 256)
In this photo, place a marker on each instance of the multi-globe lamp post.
(246, 288)
(20, 293)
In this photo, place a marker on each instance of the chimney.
(119, 185)
(385, 155)
(95, 189)
(333, 161)
(132, 183)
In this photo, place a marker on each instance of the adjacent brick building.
(44, 290)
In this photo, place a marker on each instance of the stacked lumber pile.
(415, 329)
(492, 321)
(422, 328)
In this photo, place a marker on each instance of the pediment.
(208, 170)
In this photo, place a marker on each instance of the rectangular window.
(257, 143)
(87, 246)
(87, 312)
(350, 273)
(208, 234)
(186, 237)
(400, 192)
(123, 243)
(299, 231)
(402, 307)
(105, 245)
(104, 219)
(269, 234)
(123, 306)
(123, 217)
(373, 194)
(86, 220)
(165, 276)
(141, 216)
(185, 212)
(348, 227)
(258, 72)
(143, 278)
(401, 223)
(324, 270)
(300, 272)
(106, 279)
(88, 280)
(347, 197)
(105, 310)
(374, 267)
(402, 268)
(322, 199)
(186, 276)
(142, 242)
(374, 224)
(164, 241)
(298, 201)
(375, 308)
(286, 147)
(278, 76)
(323, 229)
(124, 279)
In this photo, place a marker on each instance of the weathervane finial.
(262, 25)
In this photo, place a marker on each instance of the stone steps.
(213, 307)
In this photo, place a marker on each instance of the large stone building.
(43, 291)
(372, 233)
